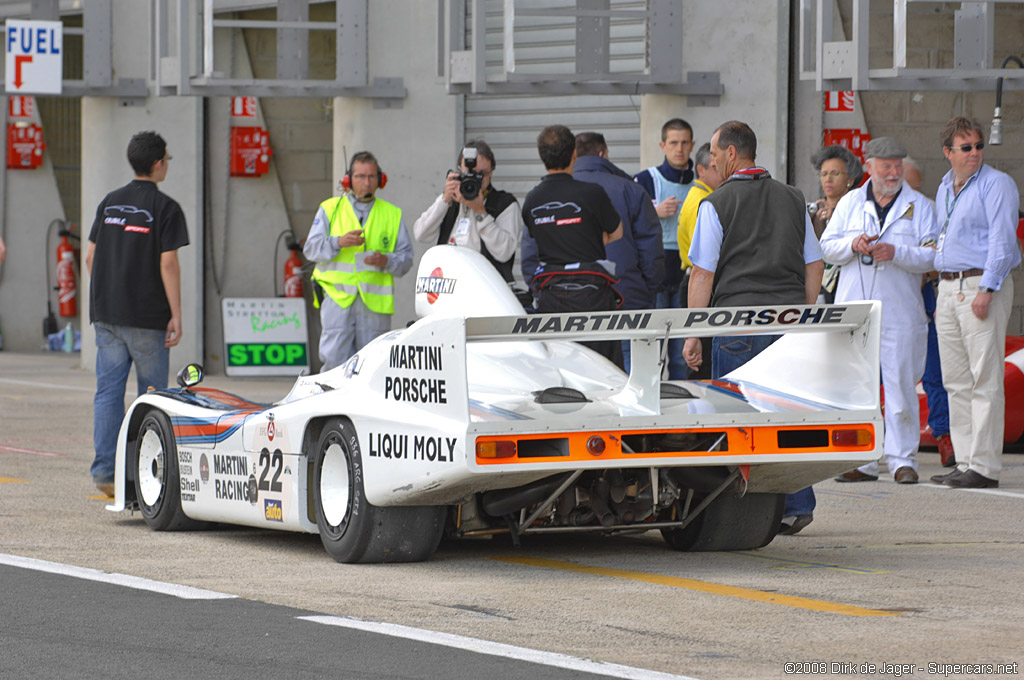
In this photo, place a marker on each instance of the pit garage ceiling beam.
(182, 36)
(835, 63)
(466, 70)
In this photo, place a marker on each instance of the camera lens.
(867, 260)
(469, 187)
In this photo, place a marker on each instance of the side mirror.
(190, 376)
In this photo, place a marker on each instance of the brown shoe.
(971, 480)
(905, 475)
(106, 488)
(946, 454)
(856, 475)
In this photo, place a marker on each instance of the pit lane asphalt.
(885, 574)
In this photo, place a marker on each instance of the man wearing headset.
(883, 236)
(359, 245)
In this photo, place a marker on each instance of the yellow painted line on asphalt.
(700, 586)
(786, 563)
(8, 480)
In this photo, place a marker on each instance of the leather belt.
(946, 276)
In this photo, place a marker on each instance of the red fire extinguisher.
(293, 272)
(66, 285)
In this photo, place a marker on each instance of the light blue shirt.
(707, 239)
(978, 227)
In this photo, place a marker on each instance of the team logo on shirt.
(123, 221)
(555, 205)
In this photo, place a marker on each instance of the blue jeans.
(116, 348)
(728, 354)
(677, 368)
(801, 502)
(938, 402)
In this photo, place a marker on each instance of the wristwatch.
(986, 289)
(480, 216)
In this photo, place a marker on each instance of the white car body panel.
(420, 397)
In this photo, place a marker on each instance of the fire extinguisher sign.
(265, 336)
(34, 59)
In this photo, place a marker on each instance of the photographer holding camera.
(471, 213)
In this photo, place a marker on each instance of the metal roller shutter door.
(510, 123)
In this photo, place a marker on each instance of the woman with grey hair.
(838, 171)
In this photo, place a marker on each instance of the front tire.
(351, 529)
(157, 483)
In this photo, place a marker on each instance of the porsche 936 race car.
(480, 419)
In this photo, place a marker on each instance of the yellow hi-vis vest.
(343, 278)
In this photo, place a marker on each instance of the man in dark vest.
(488, 221)
(753, 245)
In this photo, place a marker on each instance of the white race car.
(479, 419)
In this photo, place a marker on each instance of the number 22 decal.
(268, 460)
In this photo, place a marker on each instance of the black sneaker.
(941, 479)
(794, 523)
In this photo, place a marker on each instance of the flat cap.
(884, 147)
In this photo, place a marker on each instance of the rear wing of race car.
(827, 353)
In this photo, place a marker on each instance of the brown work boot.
(106, 488)
(946, 454)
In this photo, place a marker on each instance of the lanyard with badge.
(945, 226)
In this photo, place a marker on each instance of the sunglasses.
(966, 148)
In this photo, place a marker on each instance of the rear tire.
(157, 482)
(731, 523)
(351, 529)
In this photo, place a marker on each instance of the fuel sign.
(33, 62)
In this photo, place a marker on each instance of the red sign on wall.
(243, 107)
(250, 151)
(21, 106)
(840, 100)
(24, 146)
(852, 139)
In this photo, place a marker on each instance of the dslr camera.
(471, 181)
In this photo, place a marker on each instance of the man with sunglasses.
(977, 247)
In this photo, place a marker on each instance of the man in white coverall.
(883, 236)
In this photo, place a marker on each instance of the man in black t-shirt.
(568, 223)
(134, 293)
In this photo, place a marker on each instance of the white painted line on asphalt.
(469, 644)
(33, 383)
(183, 592)
(990, 492)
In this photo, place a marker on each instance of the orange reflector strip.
(495, 449)
(757, 441)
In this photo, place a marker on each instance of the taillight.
(595, 446)
(499, 449)
(857, 437)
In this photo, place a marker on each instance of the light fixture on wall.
(996, 136)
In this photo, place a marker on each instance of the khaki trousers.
(972, 353)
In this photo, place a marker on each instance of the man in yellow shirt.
(706, 182)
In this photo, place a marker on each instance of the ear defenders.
(346, 181)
